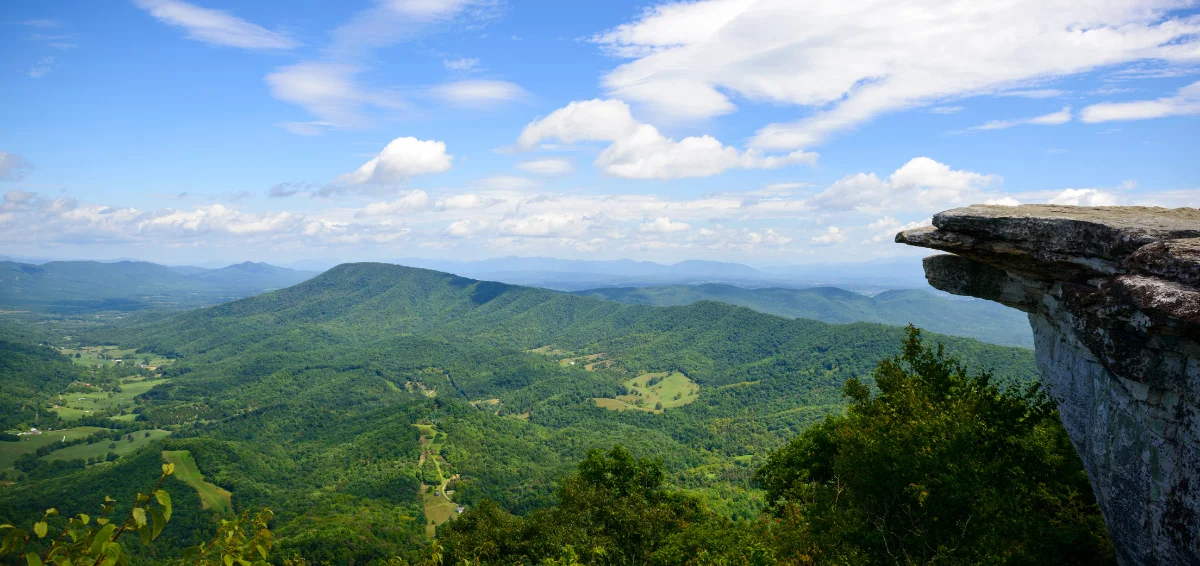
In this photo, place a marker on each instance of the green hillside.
(972, 318)
(304, 400)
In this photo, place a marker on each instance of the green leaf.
(227, 559)
(139, 516)
(168, 468)
(40, 528)
(164, 499)
(101, 521)
(189, 552)
(156, 518)
(52, 512)
(84, 518)
(144, 533)
(101, 537)
(32, 559)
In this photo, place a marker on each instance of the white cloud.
(852, 60)
(506, 183)
(921, 184)
(1053, 119)
(550, 224)
(946, 109)
(215, 26)
(587, 120)
(640, 151)
(1035, 93)
(330, 92)
(1186, 101)
(662, 225)
(43, 67)
(1085, 197)
(1003, 201)
(467, 201)
(13, 167)
(477, 93)
(553, 166)
(410, 202)
(401, 159)
(833, 235)
(885, 229)
(463, 64)
(333, 88)
(464, 228)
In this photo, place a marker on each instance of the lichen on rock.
(1113, 295)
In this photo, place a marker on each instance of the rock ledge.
(1113, 295)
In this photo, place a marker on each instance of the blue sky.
(755, 131)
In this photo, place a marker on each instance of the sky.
(756, 131)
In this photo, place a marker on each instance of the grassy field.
(75, 405)
(438, 509)
(10, 451)
(673, 390)
(211, 496)
(101, 449)
(581, 360)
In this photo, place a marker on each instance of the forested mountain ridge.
(973, 318)
(69, 287)
(304, 399)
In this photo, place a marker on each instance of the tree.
(939, 465)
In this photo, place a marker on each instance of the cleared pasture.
(10, 451)
(101, 449)
(211, 496)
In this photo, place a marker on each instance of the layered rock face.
(1113, 294)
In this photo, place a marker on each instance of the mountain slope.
(982, 320)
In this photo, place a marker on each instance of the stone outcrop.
(1113, 295)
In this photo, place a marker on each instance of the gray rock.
(1113, 295)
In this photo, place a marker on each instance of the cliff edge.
(1113, 295)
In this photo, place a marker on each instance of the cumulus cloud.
(640, 151)
(215, 26)
(410, 202)
(1003, 201)
(402, 158)
(885, 229)
(920, 184)
(553, 166)
(833, 235)
(1053, 119)
(13, 167)
(1186, 101)
(853, 60)
(662, 225)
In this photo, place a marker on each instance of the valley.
(415, 393)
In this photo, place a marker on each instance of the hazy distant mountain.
(83, 286)
(983, 320)
(576, 275)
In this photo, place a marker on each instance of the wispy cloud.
(216, 26)
(463, 64)
(1186, 101)
(850, 62)
(1053, 119)
(13, 167)
(41, 68)
(477, 93)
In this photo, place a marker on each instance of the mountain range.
(983, 320)
(86, 286)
